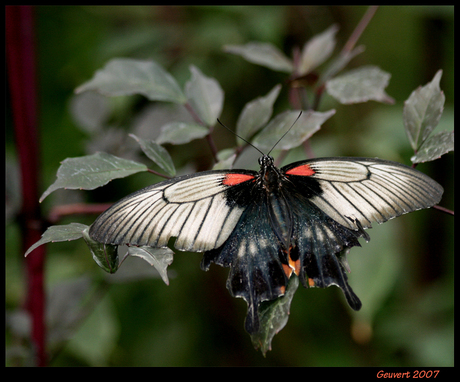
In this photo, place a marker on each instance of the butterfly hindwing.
(253, 253)
(320, 243)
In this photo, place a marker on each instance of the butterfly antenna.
(279, 140)
(249, 143)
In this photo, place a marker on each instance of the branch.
(443, 209)
(350, 44)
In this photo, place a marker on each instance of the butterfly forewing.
(195, 209)
(367, 190)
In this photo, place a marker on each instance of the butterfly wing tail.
(322, 245)
(324, 271)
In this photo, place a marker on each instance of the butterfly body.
(272, 224)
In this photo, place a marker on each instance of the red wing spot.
(304, 170)
(234, 179)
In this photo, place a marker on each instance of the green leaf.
(226, 158)
(338, 63)
(273, 317)
(256, 114)
(157, 154)
(360, 85)
(124, 76)
(92, 171)
(302, 129)
(179, 133)
(205, 96)
(56, 233)
(434, 147)
(105, 255)
(160, 258)
(317, 50)
(264, 54)
(422, 111)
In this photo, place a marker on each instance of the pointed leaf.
(435, 146)
(360, 85)
(308, 123)
(179, 133)
(205, 96)
(157, 154)
(256, 114)
(125, 76)
(273, 317)
(105, 255)
(317, 50)
(92, 171)
(160, 258)
(264, 54)
(56, 233)
(422, 111)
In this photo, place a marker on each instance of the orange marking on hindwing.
(292, 266)
(287, 270)
(295, 266)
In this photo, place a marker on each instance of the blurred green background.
(404, 276)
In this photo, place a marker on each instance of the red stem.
(20, 52)
(58, 212)
(350, 44)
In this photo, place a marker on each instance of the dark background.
(404, 276)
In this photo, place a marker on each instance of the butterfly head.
(266, 161)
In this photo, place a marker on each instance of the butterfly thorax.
(278, 210)
(270, 178)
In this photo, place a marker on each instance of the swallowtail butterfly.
(271, 224)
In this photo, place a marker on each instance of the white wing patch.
(195, 188)
(194, 210)
(371, 190)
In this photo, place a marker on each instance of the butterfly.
(269, 225)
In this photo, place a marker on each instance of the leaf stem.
(159, 173)
(208, 137)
